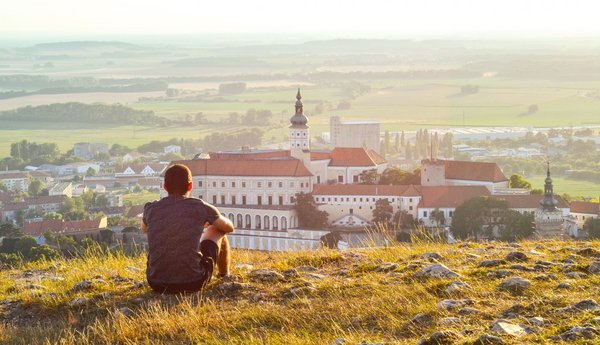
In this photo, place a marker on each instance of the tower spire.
(548, 202)
(299, 106)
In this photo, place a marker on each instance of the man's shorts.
(209, 252)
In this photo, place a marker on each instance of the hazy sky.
(82, 17)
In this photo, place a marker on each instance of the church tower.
(299, 138)
(549, 220)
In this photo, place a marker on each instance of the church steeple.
(548, 202)
(298, 126)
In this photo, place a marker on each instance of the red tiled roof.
(355, 157)
(46, 199)
(317, 156)
(449, 196)
(528, 201)
(473, 171)
(135, 211)
(58, 226)
(585, 207)
(15, 175)
(364, 189)
(249, 154)
(230, 167)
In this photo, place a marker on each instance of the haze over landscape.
(396, 171)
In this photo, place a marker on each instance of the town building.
(364, 134)
(437, 172)
(172, 149)
(63, 188)
(89, 151)
(76, 229)
(583, 210)
(15, 181)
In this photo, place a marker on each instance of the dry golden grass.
(353, 300)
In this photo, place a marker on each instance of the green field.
(572, 187)
(398, 105)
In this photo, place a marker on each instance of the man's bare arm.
(144, 227)
(223, 224)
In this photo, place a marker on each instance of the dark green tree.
(9, 230)
(592, 227)
(515, 226)
(383, 211)
(470, 218)
(309, 216)
(35, 188)
(368, 176)
(518, 181)
(437, 216)
(25, 244)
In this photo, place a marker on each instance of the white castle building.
(256, 189)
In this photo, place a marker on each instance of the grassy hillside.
(311, 298)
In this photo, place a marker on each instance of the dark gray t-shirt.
(175, 225)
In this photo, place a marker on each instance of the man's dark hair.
(177, 178)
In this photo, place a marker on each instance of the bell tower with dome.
(549, 220)
(299, 138)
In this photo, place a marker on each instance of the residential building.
(583, 210)
(172, 149)
(89, 151)
(365, 134)
(63, 188)
(437, 172)
(15, 181)
(445, 199)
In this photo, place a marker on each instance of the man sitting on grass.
(186, 237)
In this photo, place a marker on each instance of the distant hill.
(79, 47)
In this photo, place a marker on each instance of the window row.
(243, 184)
(233, 200)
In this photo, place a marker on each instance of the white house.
(172, 149)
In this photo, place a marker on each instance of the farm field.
(564, 185)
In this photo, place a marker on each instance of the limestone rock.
(446, 337)
(499, 274)
(537, 321)
(492, 263)
(586, 305)
(594, 267)
(516, 256)
(82, 285)
(266, 275)
(307, 269)
(589, 252)
(456, 286)
(422, 319)
(78, 302)
(453, 304)
(291, 273)
(315, 276)
(387, 267)
(564, 285)
(233, 287)
(431, 256)
(448, 321)
(338, 341)
(438, 271)
(515, 285)
(469, 311)
(486, 339)
(509, 328)
(580, 332)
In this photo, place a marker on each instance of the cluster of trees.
(25, 153)
(489, 217)
(232, 88)
(253, 117)
(469, 89)
(146, 87)
(80, 112)
(592, 227)
(309, 216)
(228, 141)
(391, 176)
(427, 145)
